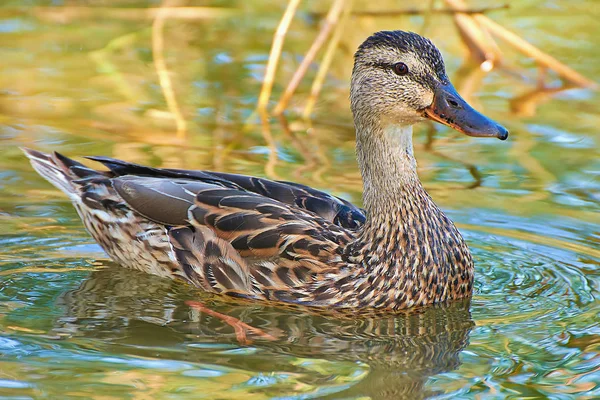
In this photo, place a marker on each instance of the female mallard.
(260, 239)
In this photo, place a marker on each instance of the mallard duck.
(256, 238)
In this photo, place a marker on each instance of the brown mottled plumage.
(260, 239)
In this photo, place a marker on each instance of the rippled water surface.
(83, 82)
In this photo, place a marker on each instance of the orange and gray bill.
(450, 109)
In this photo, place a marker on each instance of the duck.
(265, 240)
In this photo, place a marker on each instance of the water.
(75, 325)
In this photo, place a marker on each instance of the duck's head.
(399, 78)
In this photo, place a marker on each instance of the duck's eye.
(400, 69)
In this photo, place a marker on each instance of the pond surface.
(83, 82)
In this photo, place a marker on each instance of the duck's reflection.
(136, 313)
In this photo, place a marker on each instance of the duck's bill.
(450, 109)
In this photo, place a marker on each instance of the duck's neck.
(388, 168)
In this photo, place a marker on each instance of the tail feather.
(59, 170)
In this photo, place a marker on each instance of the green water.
(75, 325)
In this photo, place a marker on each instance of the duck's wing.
(273, 244)
(324, 205)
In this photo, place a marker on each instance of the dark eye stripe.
(378, 65)
(386, 66)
